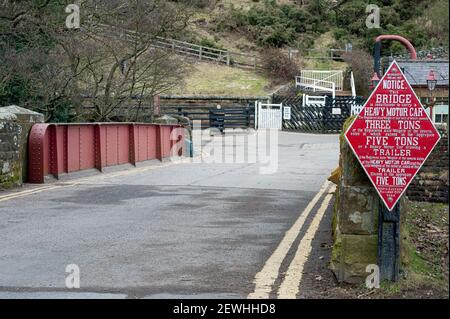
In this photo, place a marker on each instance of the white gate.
(315, 100)
(268, 115)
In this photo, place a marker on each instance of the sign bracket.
(389, 242)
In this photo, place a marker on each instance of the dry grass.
(324, 41)
(424, 258)
(213, 79)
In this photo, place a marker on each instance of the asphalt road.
(176, 230)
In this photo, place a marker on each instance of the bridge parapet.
(15, 124)
(57, 149)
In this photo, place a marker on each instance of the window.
(440, 113)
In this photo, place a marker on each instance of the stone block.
(15, 125)
(358, 210)
(352, 172)
(165, 119)
(351, 255)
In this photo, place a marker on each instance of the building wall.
(423, 92)
(431, 183)
(440, 109)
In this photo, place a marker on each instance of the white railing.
(335, 76)
(352, 84)
(315, 85)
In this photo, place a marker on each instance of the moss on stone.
(360, 249)
(13, 178)
(335, 176)
(336, 252)
(335, 220)
(346, 125)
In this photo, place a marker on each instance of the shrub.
(270, 24)
(205, 42)
(197, 3)
(278, 67)
(361, 64)
(396, 17)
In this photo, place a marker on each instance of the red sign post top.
(392, 136)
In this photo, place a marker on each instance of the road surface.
(172, 230)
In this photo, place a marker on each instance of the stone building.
(416, 71)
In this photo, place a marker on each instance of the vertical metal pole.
(389, 242)
(156, 105)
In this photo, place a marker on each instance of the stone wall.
(431, 183)
(10, 163)
(15, 125)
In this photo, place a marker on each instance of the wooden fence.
(324, 54)
(202, 53)
(211, 116)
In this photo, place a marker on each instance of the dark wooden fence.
(318, 118)
(211, 116)
(328, 118)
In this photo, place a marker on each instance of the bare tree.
(30, 71)
(110, 59)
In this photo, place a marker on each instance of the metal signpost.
(392, 137)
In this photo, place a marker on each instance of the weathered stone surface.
(358, 210)
(351, 255)
(10, 163)
(352, 172)
(182, 120)
(360, 248)
(15, 125)
(335, 176)
(165, 119)
(21, 114)
(355, 219)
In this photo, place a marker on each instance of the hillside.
(250, 24)
(51, 68)
(253, 26)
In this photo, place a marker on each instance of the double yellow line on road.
(289, 288)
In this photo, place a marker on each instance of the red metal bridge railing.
(55, 149)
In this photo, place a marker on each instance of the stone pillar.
(355, 219)
(15, 125)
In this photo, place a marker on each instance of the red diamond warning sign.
(392, 136)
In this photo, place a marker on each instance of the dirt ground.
(425, 261)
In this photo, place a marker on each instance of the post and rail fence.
(200, 52)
